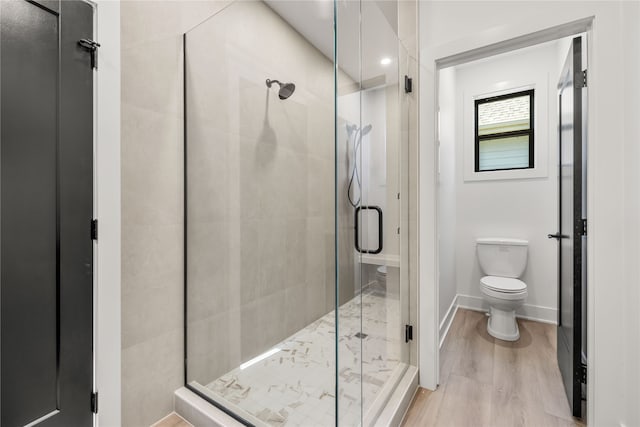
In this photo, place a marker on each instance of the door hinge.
(408, 333)
(91, 47)
(580, 79)
(94, 402)
(94, 229)
(408, 84)
(583, 224)
(583, 373)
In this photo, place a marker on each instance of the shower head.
(286, 89)
(365, 130)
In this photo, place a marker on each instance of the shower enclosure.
(297, 296)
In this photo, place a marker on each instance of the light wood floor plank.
(426, 404)
(493, 383)
(452, 348)
(172, 420)
(465, 402)
(478, 343)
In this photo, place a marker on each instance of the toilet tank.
(500, 256)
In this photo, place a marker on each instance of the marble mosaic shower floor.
(296, 385)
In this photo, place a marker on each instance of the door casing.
(465, 50)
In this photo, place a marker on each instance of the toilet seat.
(506, 285)
(503, 288)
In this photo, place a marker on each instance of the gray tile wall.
(260, 187)
(270, 206)
(267, 197)
(152, 219)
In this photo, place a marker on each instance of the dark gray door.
(572, 225)
(46, 207)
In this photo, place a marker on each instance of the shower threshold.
(293, 383)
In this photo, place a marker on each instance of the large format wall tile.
(149, 370)
(263, 168)
(207, 358)
(261, 207)
(151, 166)
(154, 81)
(261, 324)
(150, 312)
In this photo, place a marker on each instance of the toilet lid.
(503, 284)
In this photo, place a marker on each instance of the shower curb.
(199, 412)
(399, 402)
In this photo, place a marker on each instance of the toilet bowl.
(503, 260)
(504, 295)
(380, 279)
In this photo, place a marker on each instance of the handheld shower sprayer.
(355, 173)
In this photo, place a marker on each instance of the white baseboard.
(448, 319)
(527, 311)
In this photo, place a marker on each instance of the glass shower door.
(372, 278)
(259, 213)
(295, 211)
(348, 191)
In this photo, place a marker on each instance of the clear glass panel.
(291, 319)
(504, 153)
(372, 354)
(383, 317)
(260, 233)
(408, 115)
(349, 137)
(504, 115)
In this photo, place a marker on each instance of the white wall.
(447, 191)
(519, 208)
(631, 295)
(449, 28)
(107, 176)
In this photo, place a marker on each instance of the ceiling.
(313, 19)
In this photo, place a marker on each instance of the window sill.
(533, 173)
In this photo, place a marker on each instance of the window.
(504, 132)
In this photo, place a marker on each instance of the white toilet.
(503, 260)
